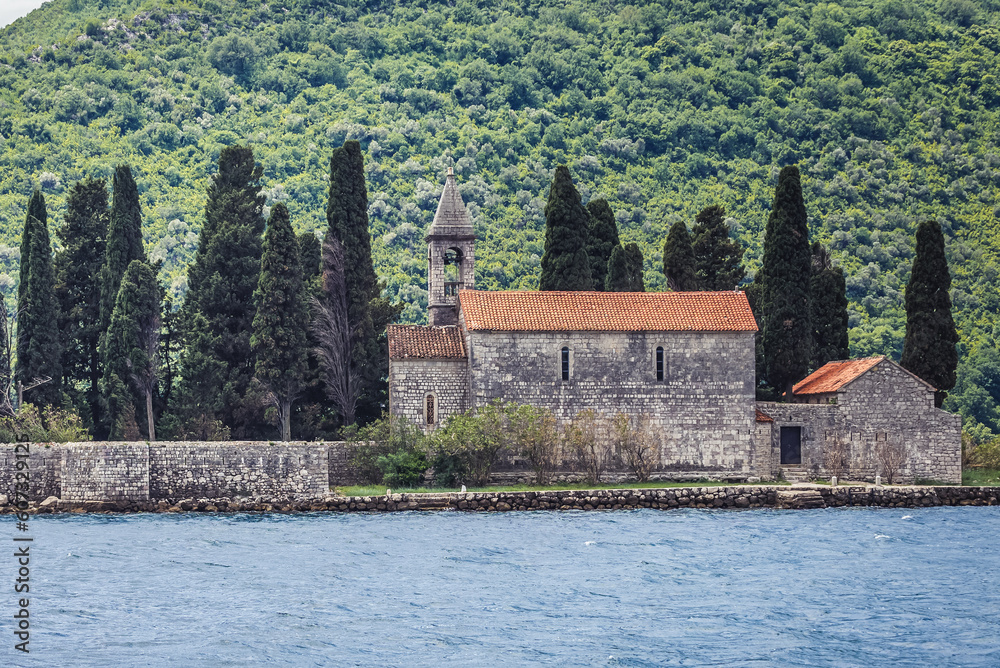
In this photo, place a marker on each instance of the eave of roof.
(833, 376)
(606, 311)
(419, 342)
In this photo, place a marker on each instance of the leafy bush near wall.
(48, 425)
(382, 446)
(402, 468)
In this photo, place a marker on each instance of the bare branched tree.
(635, 443)
(334, 336)
(837, 456)
(891, 456)
(588, 437)
(6, 360)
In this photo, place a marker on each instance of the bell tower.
(450, 255)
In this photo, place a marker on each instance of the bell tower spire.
(450, 255)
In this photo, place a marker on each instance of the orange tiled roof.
(417, 342)
(834, 375)
(606, 311)
(763, 417)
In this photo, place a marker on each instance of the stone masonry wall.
(44, 468)
(181, 470)
(885, 404)
(889, 403)
(411, 380)
(105, 472)
(703, 410)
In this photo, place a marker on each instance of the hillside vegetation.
(890, 109)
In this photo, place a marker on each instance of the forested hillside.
(891, 111)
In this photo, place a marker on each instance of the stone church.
(685, 360)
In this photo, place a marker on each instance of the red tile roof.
(834, 375)
(763, 417)
(416, 342)
(606, 311)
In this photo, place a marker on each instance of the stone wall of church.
(412, 380)
(885, 407)
(702, 411)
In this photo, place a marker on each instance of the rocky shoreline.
(799, 496)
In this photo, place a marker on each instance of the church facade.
(682, 360)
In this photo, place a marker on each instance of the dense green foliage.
(718, 259)
(890, 109)
(602, 237)
(929, 348)
(38, 349)
(222, 280)
(124, 240)
(828, 317)
(565, 264)
(679, 265)
(625, 270)
(281, 322)
(786, 332)
(78, 291)
(130, 352)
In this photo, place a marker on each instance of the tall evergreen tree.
(37, 215)
(282, 320)
(602, 237)
(625, 270)
(368, 312)
(221, 282)
(39, 352)
(78, 290)
(131, 348)
(786, 334)
(6, 360)
(310, 256)
(828, 297)
(717, 258)
(565, 264)
(124, 240)
(678, 260)
(929, 347)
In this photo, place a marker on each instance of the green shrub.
(448, 469)
(383, 437)
(402, 468)
(48, 425)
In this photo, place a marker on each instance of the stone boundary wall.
(237, 468)
(733, 497)
(141, 471)
(105, 472)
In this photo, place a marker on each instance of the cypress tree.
(282, 319)
(310, 256)
(565, 264)
(130, 350)
(717, 258)
(929, 347)
(625, 270)
(78, 290)
(6, 357)
(368, 313)
(36, 215)
(199, 398)
(222, 279)
(634, 262)
(786, 334)
(124, 240)
(602, 237)
(39, 353)
(828, 296)
(678, 260)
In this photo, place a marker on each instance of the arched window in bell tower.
(452, 263)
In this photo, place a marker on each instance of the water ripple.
(836, 587)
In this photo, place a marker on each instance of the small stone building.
(684, 360)
(863, 411)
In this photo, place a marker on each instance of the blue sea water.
(836, 587)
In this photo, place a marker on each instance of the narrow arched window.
(429, 409)
(565, 363)
(659, 363)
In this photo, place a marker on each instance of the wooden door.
(791, 445)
